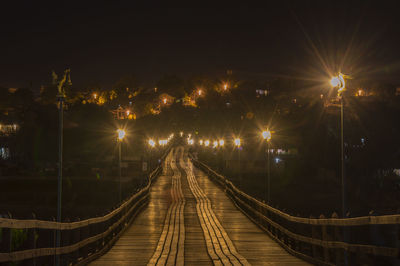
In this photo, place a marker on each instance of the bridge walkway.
(190, 221)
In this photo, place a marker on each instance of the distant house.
(8, 129)
(123, 113)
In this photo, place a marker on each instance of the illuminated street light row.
(215, 143)
(162, 142)
(266, 134)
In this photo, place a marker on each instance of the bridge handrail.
(353, 221)
(105, 230)
(41, 224)
(305, 237)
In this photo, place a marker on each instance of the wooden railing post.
(76, 237)
(337, 237)
(65, 241)
(85, 234)
(53, 239)
(325, 237)
(32, 239)
(6, 239)
(314, 235)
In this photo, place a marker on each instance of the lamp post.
(338, 82)
(267, 136)
(60, 98)
(237, 144)
(121, 136)
(152, 144)
(221, 143)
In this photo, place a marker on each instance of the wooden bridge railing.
(324, 241)
(32, 242)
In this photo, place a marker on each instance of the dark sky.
(102, 42)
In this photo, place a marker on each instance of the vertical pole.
(151, 159)
(120, 174)
(343, 175)
(60, 161)
(240, 169)
(269, 174)
(342, 157)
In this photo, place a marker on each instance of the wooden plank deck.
(215, 231)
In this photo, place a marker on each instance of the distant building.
(261, 92)
(123, 113)
(8, 129)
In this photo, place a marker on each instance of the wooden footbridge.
(190, 215)
(190, 221)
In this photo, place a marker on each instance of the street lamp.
(266, 134)
(339, 82)
(152, 144)
(237, 144)
(221, 142)
(65, 80)
(121, 135)
(215, 144)
(206, 143)
(222, 154)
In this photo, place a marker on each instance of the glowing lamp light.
(338, 82)
(237, 142)
(206, 143)
(215, 144)
(266, 134)
(199, 92)
(181, 133)
(335, 82)
(225, 87)
(152, 143)
(201, 142)
(190, 141)
(165, 100)
(94, 95)
(121, 134)
(221, 142)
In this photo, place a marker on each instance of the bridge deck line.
(139, 243)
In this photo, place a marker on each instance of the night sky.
(103, 42)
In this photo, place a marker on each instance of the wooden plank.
(249, 240)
